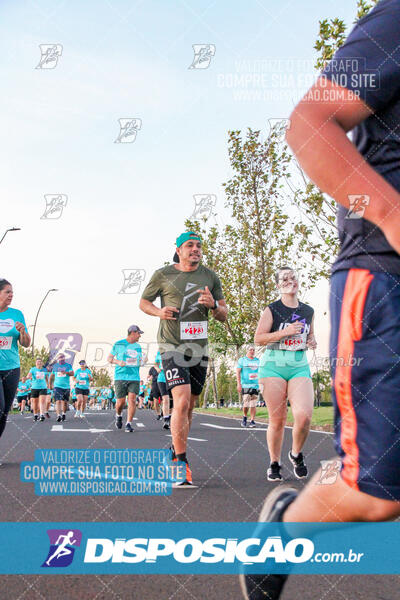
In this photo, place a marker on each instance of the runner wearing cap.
(39, 377)
(188, 291)
(247, 384)
(82, 377)
(12, 331)
(127, 357)
(60, 377)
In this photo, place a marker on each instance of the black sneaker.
(59, 419)
(268, 586)
(252, 424)
(274, 472)
(35, 418)
(159, 417)
(244, 422)
(299, 468)
(63, 417)
(42, 418)
(166, 425)
(47, 415)
(128, 428)
(118, 422)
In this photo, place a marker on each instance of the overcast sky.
(126, 202)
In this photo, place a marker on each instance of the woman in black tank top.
(286, 328)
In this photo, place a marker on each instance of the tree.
(28, 361)
(332, 33)
(261, 235)
(101, 377)
(322, 386)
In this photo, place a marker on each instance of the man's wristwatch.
(216, 305)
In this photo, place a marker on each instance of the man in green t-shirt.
(188, 291)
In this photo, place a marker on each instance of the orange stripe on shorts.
(350, 331)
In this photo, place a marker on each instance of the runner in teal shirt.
(12, 331)
(83, 377)
(127, 357)
(38, 377)
(62, 371)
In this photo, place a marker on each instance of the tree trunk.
(214, 381)
(205, 397)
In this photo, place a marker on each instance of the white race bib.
(5, 342)
(131, 362)
(253, 376)
(196, 330)
(40, 375)
(6, 325)
(61, 374)
(294, 342)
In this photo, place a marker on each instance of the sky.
(123, 204)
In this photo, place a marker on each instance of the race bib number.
(253, 376)
(6, 325)
(131, 362)
(61, 374)
(294, 342)
(5, 343)
(194, 331)
(82, 381)
(39, 375)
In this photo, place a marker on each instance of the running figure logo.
(203, 54)
(49, 55)
(128, 130)
(61, 551)
(330, 470)
(64, 343)
(203, 205)
(358, 204)
(55, 204)
(133, 279)
(280, 127)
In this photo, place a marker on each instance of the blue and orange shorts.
(365, 365)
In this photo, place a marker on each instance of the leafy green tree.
(262, 235)
(332, 33)
(28, 361)
(322, 386)
(101, 377)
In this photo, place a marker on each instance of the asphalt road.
(229, 466)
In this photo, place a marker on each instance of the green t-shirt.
(180, 289)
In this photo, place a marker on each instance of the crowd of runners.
(364, 302)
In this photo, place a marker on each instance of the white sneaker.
(82, 416)
(76, 414)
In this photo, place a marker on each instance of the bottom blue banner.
(187, 548)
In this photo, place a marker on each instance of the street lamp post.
(37, 314)
(11, 229)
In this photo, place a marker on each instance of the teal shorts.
(286, 364)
